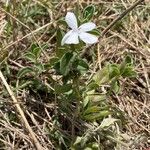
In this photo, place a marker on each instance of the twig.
(36, 142)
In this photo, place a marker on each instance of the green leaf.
(82, 66)
(37, 52)
(78, 140)
(85, 102)
(107, 122)
(129, 72)
(59, 37)
(102, 76)
(92, 146)
(92, 86)
(88, 148)
(57, 67)
(93, 109)
(60, 51)
(65, 63)
(51, 63)
(114, 71)
(95, 32)
(88, 12)
(39, 67)
(30, 56)
(33, 46)
(61, 89)
(95, 145)
(96, 98)
(25, 84)
(62, 22)
(115, 87)
(22, 72)
(128, 60)
(95, 116)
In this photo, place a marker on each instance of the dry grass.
(130, 35)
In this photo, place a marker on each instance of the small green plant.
(78, 100)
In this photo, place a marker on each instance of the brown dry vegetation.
(21, 24)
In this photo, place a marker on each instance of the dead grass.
(130, 35)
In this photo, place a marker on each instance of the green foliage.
(88, 12)
(107, 122)
(66, 62)
(62, 89)
(34, 54)
(24, 71)
(102, 76)
(95, 113)
(59, 37)
(71, 63)
(127, 68)
(90, 104)
(64, 81)
(104, 131)
(111, 74)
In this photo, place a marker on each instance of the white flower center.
(78, 31)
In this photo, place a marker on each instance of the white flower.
(72, 37)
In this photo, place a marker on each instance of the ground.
(24, 23)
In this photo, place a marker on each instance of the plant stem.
(78, 98)
(77, 90)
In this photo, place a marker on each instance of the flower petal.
(66, 36)
(71, 20)
(87, 26)
(88, 38)
(70, 38)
